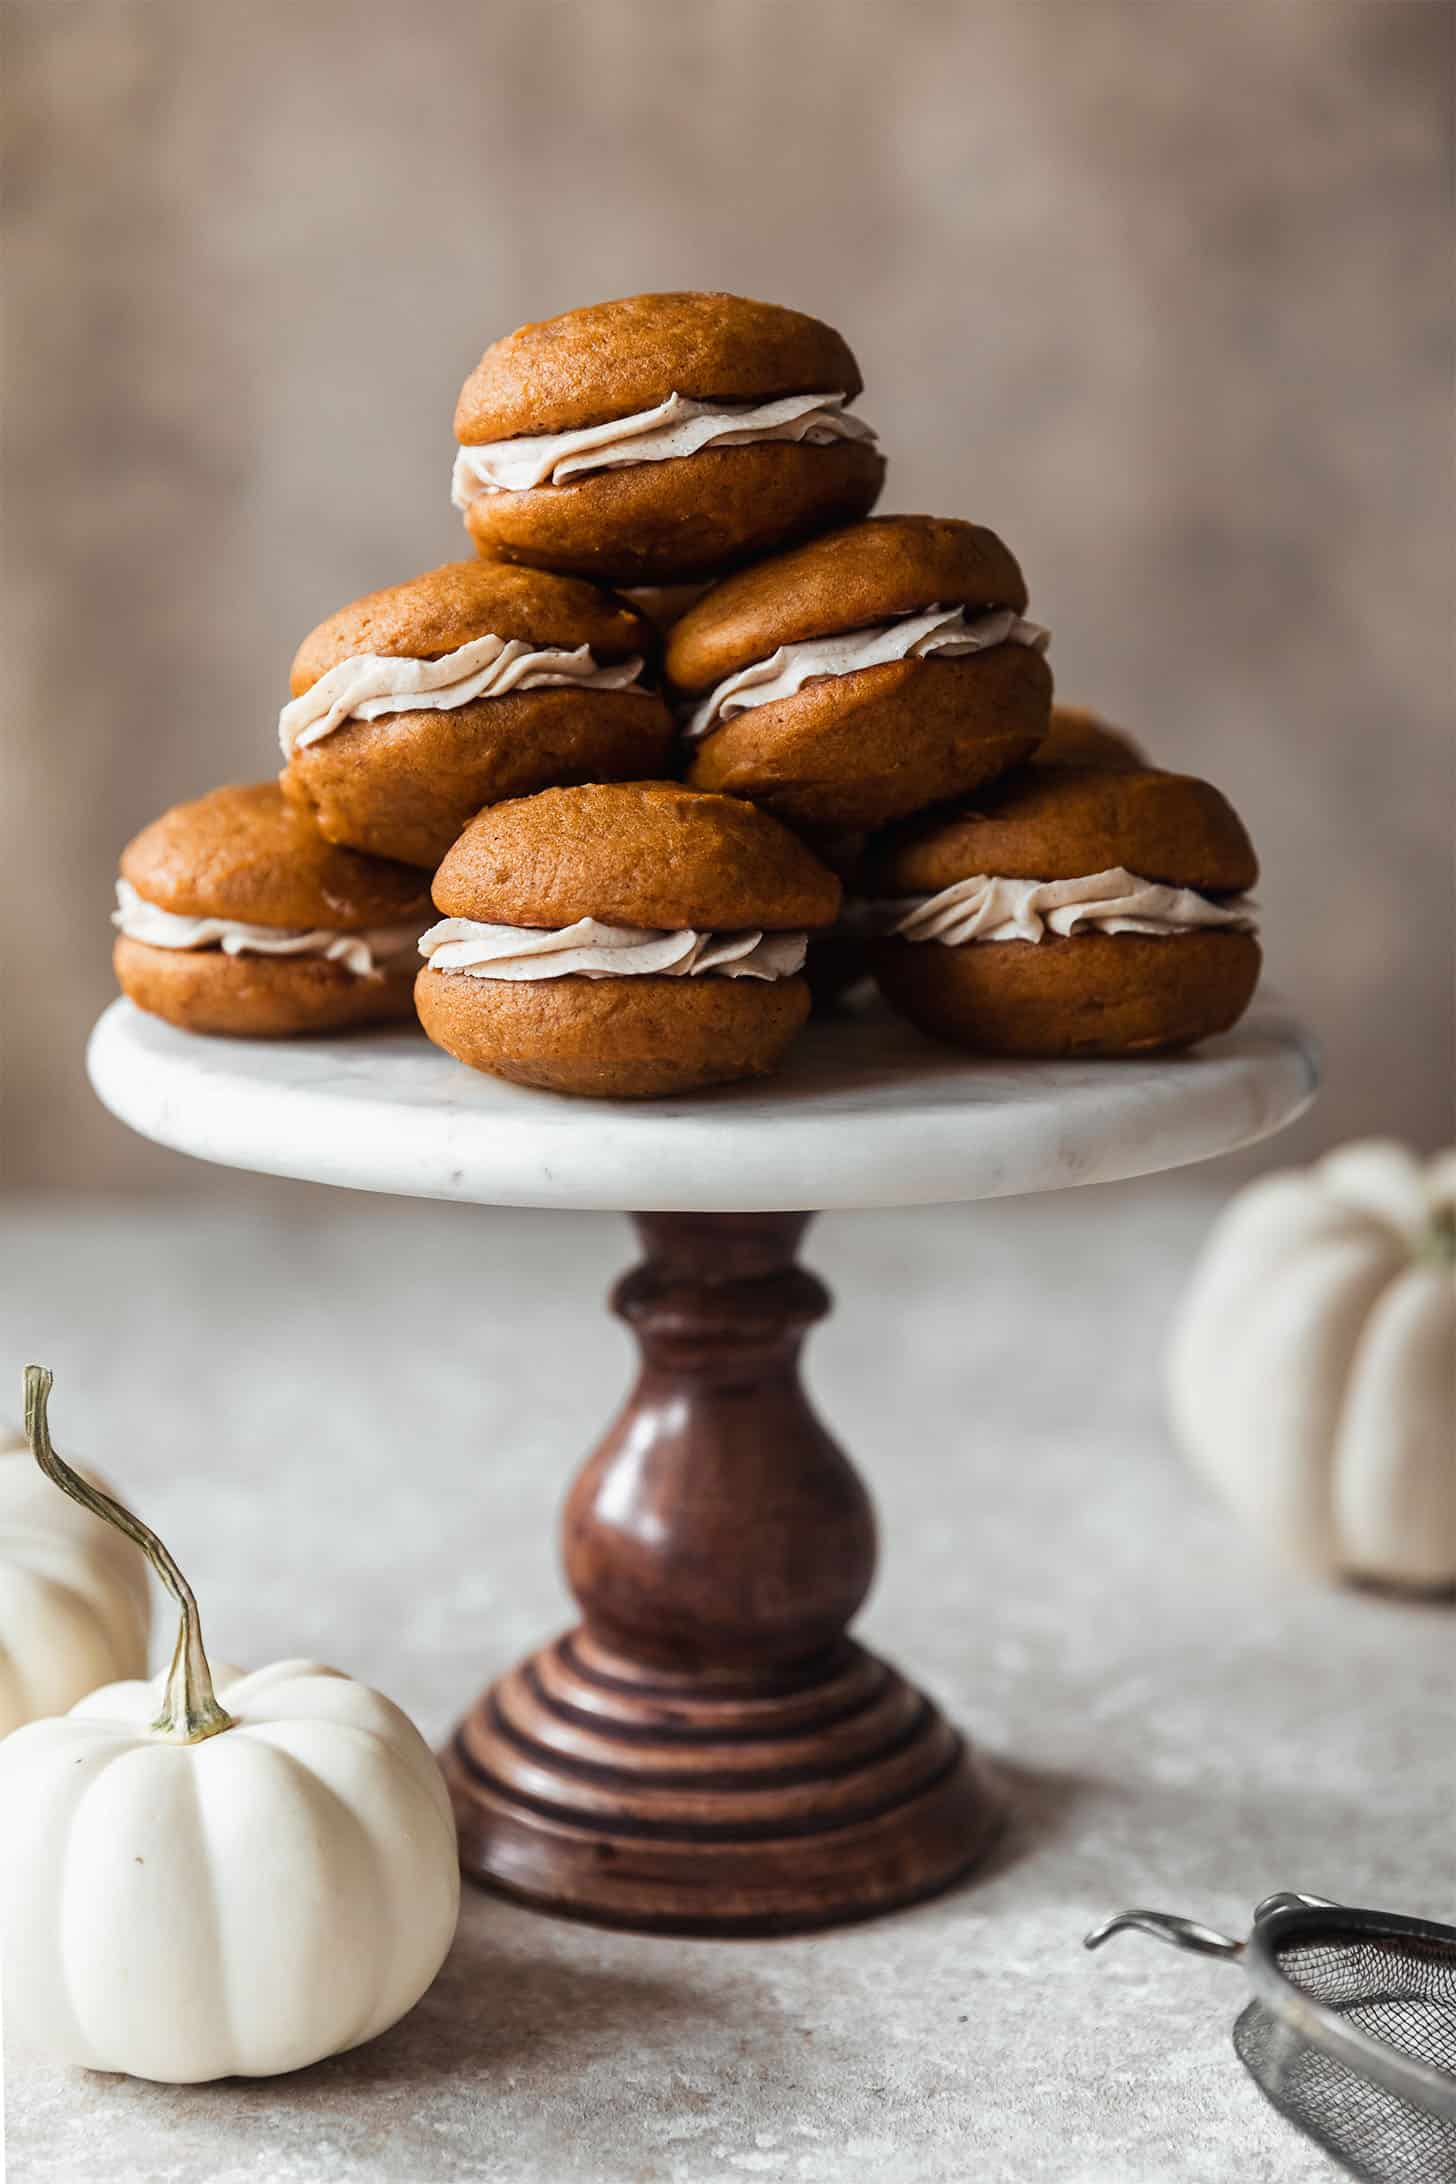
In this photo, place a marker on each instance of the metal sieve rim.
(1421, 2084)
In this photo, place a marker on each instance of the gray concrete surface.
(1181, 1726)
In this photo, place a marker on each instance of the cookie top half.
(868, 572)
(646, 853)
(1065, 822)
(436, 613)
(245, 853)
(611, 360)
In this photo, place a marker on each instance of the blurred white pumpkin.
(192, 1889)
(75, 1603)
(1313, 1366)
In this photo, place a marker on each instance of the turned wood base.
(674, 1805)
(709, 1752)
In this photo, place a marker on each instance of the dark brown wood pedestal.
(709, 1752)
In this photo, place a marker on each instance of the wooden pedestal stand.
(709, 1752)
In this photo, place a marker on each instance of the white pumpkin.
(1313, 1366)
(195, 1886)
(75, 1603)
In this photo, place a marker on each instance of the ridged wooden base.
(694, 1803)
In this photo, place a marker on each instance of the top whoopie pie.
(623, 940)
(235, 916)
(865, 675)
(1070, 910)
(416, 706)
(661, 438)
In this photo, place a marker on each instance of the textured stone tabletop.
(1180, 1726)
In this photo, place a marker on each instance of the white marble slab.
(866, 1114)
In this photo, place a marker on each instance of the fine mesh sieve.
(1351, 2029)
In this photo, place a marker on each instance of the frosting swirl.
(1115, 901)
(366, 954)
(946, 630)
(591, 949)
(370, 684)
(677, 427)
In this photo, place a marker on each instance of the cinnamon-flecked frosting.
(983, 908)
(368, 685)
(364, 953)
(949, 631)
(591, 948)
(676, 427)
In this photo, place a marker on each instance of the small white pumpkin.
(192, 1889)
(75, 1604)
(1313, 1366)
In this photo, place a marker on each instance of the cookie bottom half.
(1091, 994)
(258, 997)
(863, 749)
(670, 522)
(407, 785)
(613, 1038)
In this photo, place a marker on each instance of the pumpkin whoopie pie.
(864, 676)
(235, 916)
(661, 438)
(418, 705)
(1070, 911)
(622, 940)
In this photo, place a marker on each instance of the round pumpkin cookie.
(1070, 911)
(234, 916)
(663, 438)
(1079, 737)
(417, 706)
(622, 940)
(864, 676)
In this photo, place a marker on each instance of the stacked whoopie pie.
(234, 915)
(688, 692)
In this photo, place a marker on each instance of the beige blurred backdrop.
(1156, 288)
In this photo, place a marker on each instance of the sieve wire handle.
(1166, 1926)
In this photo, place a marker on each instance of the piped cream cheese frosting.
(593, 949)
(366, 954)
(983, 908)
(677, 427)
(371, 684)
(951, 632)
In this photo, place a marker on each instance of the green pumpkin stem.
(190, 1709)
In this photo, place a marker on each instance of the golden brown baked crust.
(1063, 822)
(861, 750)
(258, 997)
(668, 522)
(406, 785)
(613, 1038)
(641, 853)
(1090, 994)
(1079, 737)
(247, 852)
(865, 573)
(448, 607)
(613, 359)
